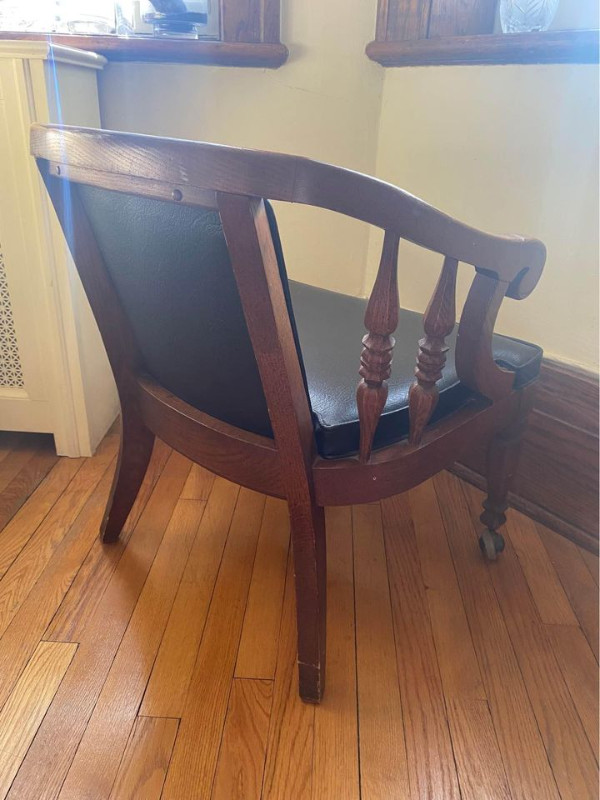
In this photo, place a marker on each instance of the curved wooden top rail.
(87, 155)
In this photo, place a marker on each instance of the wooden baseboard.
(557, 479)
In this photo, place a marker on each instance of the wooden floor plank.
(27, 628)
(16, 460)
(577, 582)
(31, 561)
(9, 441)
(569, 752)
(172, 671)
(48, 760)
(545, 586)
(242, 756)
(591, 561)
(478, 761)
(498, 680)
(258, 647)
(579, 670)
(383, 765)
(95, 764)
(23, 525)
(26, 706)
(144, 766)
(335, 766)
(89, 585)
(194, 760)
(431, 765)
(468, 712)
(514, 721)
(459, 669)
(199, 484)
(289, 760)
(24, 483)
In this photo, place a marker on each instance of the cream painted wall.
(323, 103)
(509, 149)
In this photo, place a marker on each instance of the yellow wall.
(323, 103)
(509, 149)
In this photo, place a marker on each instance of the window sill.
(189, 51)
(548, 47)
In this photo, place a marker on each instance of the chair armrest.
(474, 358)
(475, 364)
(158, 167)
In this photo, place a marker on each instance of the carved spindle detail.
(381, 320)
(439, 320)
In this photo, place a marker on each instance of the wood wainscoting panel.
(557, 478)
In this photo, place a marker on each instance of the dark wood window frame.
(249, 38)
(437, 32)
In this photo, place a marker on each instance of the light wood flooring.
(164, 666)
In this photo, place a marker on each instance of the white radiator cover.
(11, 371)
(54, 374)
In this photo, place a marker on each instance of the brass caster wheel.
(491, 544)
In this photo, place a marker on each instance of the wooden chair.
(254, 376)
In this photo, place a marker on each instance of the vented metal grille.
(11, 371)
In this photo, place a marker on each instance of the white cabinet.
(54, 374)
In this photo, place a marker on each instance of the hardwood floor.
(164, 666)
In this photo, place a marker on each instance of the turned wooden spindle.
(438, 322)
(381, 320)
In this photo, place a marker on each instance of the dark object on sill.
(169, 6)
(183, 25)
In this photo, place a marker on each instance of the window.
(234, 32)
(429, 32)
(189, 19)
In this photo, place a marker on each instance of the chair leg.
(136, 448)
(310, 571)
(502, 461)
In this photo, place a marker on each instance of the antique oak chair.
(253, 376)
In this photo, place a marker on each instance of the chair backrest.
(171, 270)
(158, 226)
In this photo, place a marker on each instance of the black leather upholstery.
(330, 328)
(171, 269)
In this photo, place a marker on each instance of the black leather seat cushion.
(170, 267)
(330, 328)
